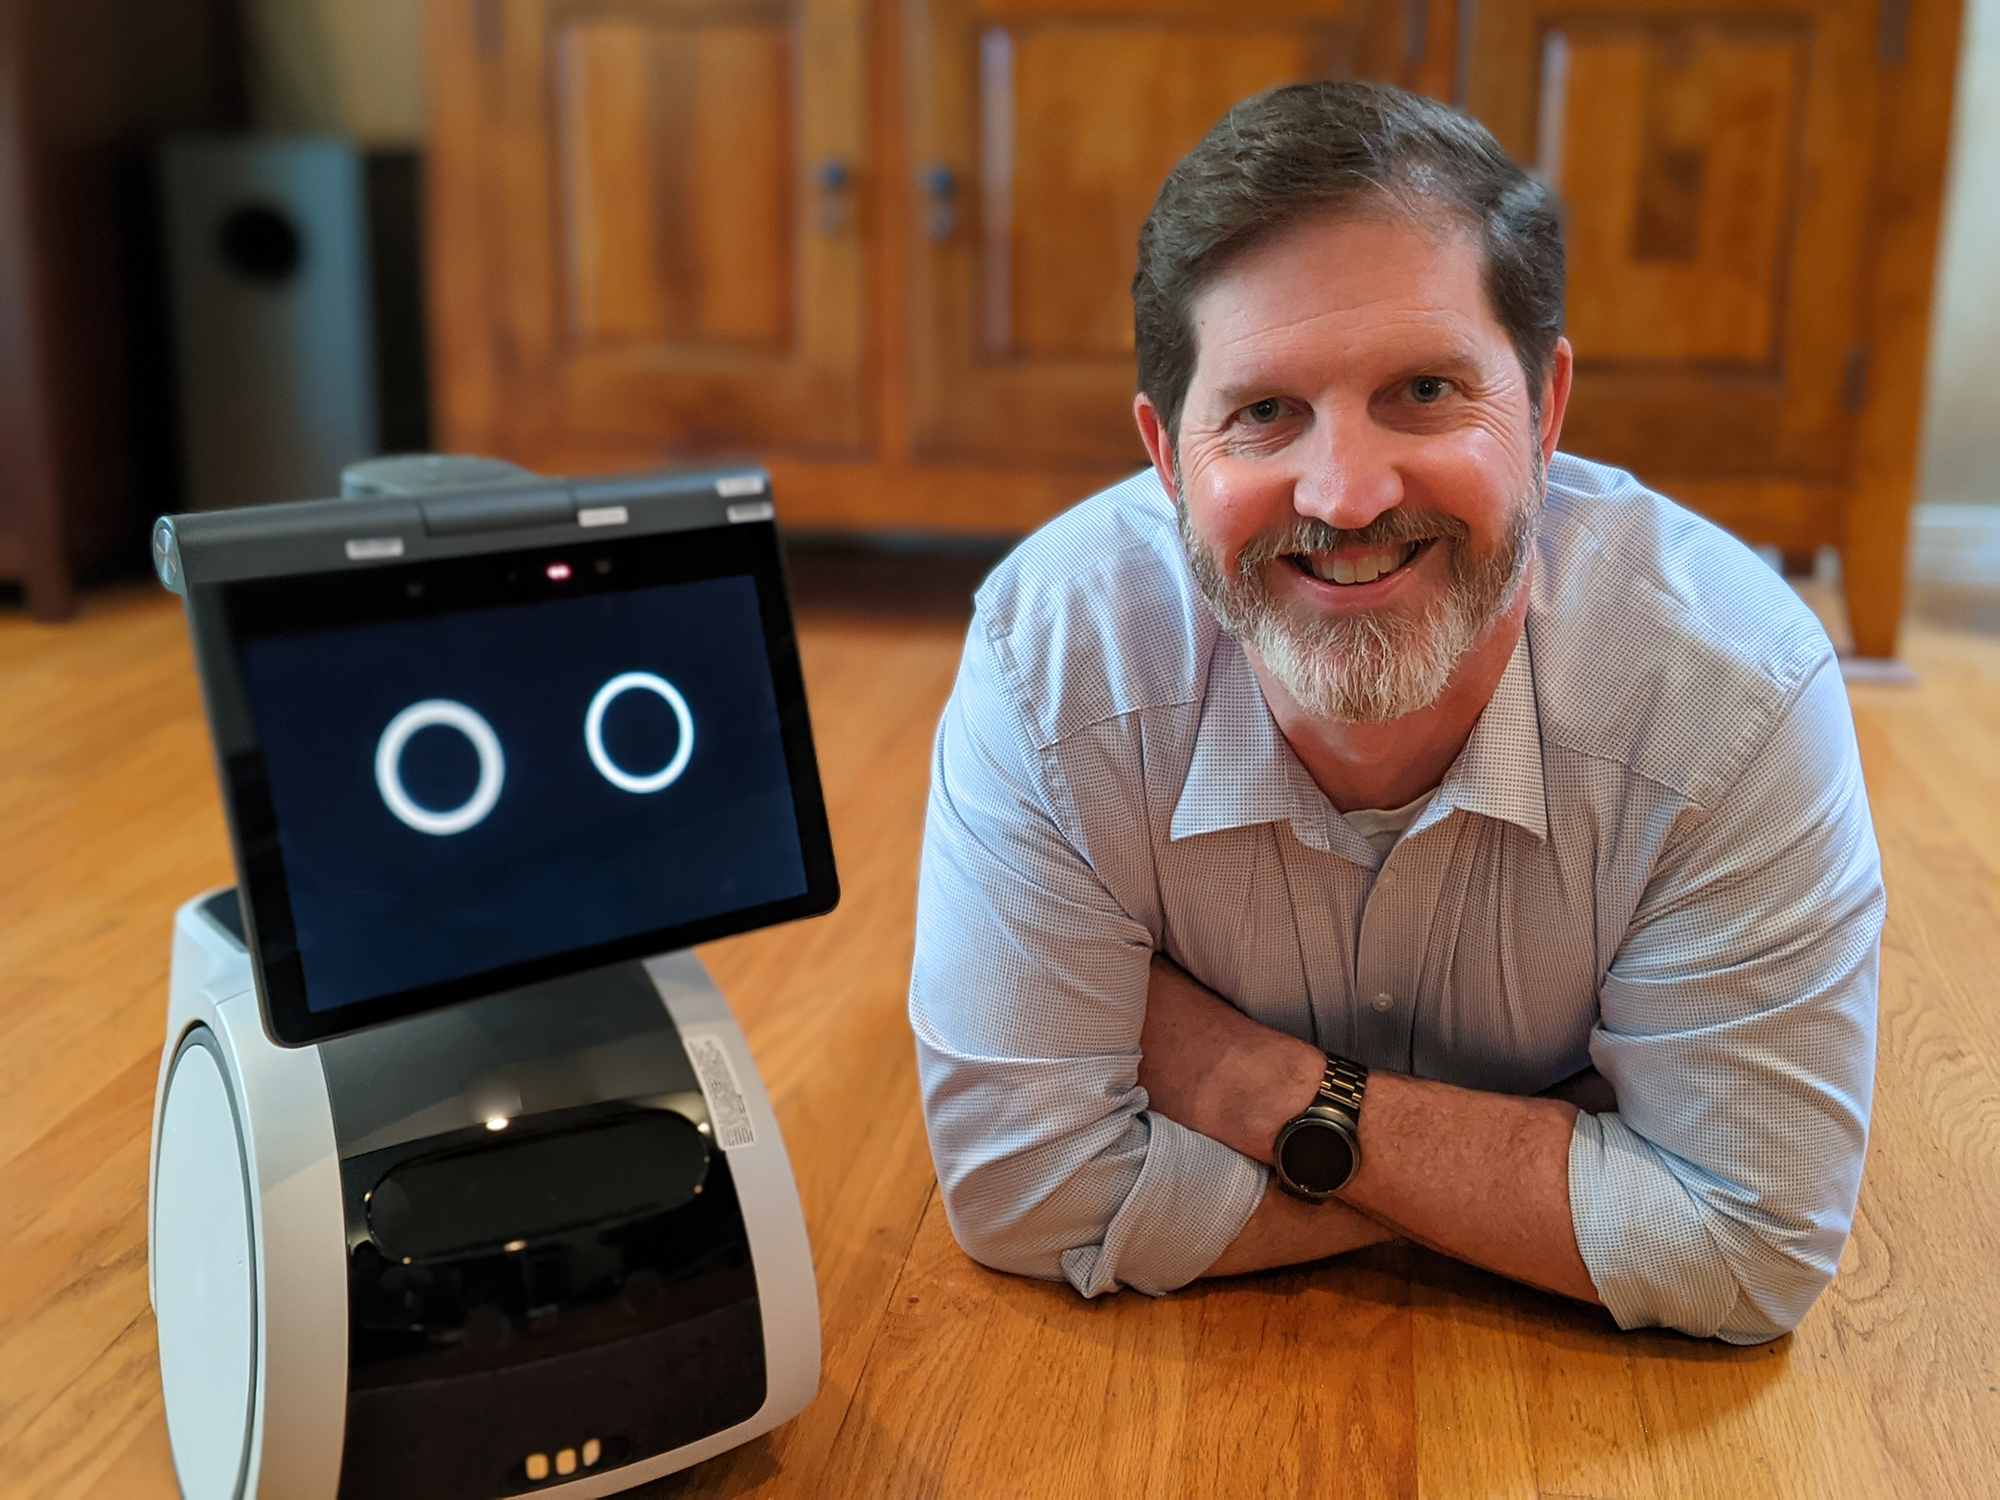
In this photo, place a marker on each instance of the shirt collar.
(1243, 771)
(1499, 772)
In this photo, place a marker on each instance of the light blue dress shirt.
(1653, 855)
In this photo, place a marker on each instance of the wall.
(341, 67)
(354, 69)
(1962, 424)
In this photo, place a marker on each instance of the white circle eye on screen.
(439, 713)
(593, 732)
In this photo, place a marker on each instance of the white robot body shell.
(292, 1445)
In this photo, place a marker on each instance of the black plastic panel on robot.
(452, 775)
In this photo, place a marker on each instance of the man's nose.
(1349, 475)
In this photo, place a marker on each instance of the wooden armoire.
(87, 443)
(886, 248)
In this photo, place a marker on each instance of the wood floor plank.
(988, 1385)
(1474, 1436)
(142, 1465)
(82, 1434)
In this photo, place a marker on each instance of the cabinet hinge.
(1892, 32)
(489, 27)
(1854, 381)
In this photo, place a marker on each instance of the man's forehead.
(1367, 241)
(1378, 279)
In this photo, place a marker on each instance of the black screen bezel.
(260, 608)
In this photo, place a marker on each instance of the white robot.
(464, 1183)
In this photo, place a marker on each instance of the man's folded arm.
(1027, 998)
(1738, 1029)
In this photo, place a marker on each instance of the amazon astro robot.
(464, 1183)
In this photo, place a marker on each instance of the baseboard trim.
(1956, 545)
(1877, 671)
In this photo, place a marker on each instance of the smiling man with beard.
(1370, 822)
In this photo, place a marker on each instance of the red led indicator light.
(558, 572)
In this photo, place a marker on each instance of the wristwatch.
(1319, 1151)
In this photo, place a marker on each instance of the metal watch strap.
(1341, 1088)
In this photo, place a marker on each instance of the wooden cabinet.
(87, 455)
(648, 227)
(887, 248)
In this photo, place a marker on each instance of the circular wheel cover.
(204, 1277)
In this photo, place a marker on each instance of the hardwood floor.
(1391, 1373)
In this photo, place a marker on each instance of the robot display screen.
(494, 769)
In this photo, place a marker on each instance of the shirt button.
(1385, 1002)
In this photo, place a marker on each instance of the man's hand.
(1483, 1177)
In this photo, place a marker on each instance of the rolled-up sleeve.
(1027, 998)
(1738, 1028)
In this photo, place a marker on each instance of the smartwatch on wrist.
(1318, 1152)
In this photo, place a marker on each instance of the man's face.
(1359, 465)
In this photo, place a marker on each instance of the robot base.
(545, 1243)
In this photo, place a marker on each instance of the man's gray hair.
(1309, 149)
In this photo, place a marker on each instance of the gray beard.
(1369, 668)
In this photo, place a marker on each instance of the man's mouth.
(1351, 565)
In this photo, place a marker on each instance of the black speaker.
(267, 251)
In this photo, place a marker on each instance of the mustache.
(1398, 527)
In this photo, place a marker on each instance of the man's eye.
(1429, 388)
(1267, 410)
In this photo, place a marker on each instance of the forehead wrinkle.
(1252, 299)
(1264, 314)
(1269, 313)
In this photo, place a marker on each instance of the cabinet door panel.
(681, 268)
(676, 163)
(1101, 114)
(1715, 169)
(1677, 208)
(1041, 139)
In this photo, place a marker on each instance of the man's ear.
(1159, 442)
(1555, 397)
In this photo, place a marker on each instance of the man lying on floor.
(1312, 806)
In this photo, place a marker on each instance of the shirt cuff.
(1641, 1233)
(1192, 1198)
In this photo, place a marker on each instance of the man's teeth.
(1357, 567)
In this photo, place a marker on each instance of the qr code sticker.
(728, 1112)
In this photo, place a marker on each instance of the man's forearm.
(1285, 1232)
(1483, 1177)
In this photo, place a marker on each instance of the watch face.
(1317, 1157)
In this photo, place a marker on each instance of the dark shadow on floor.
(894, 577)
